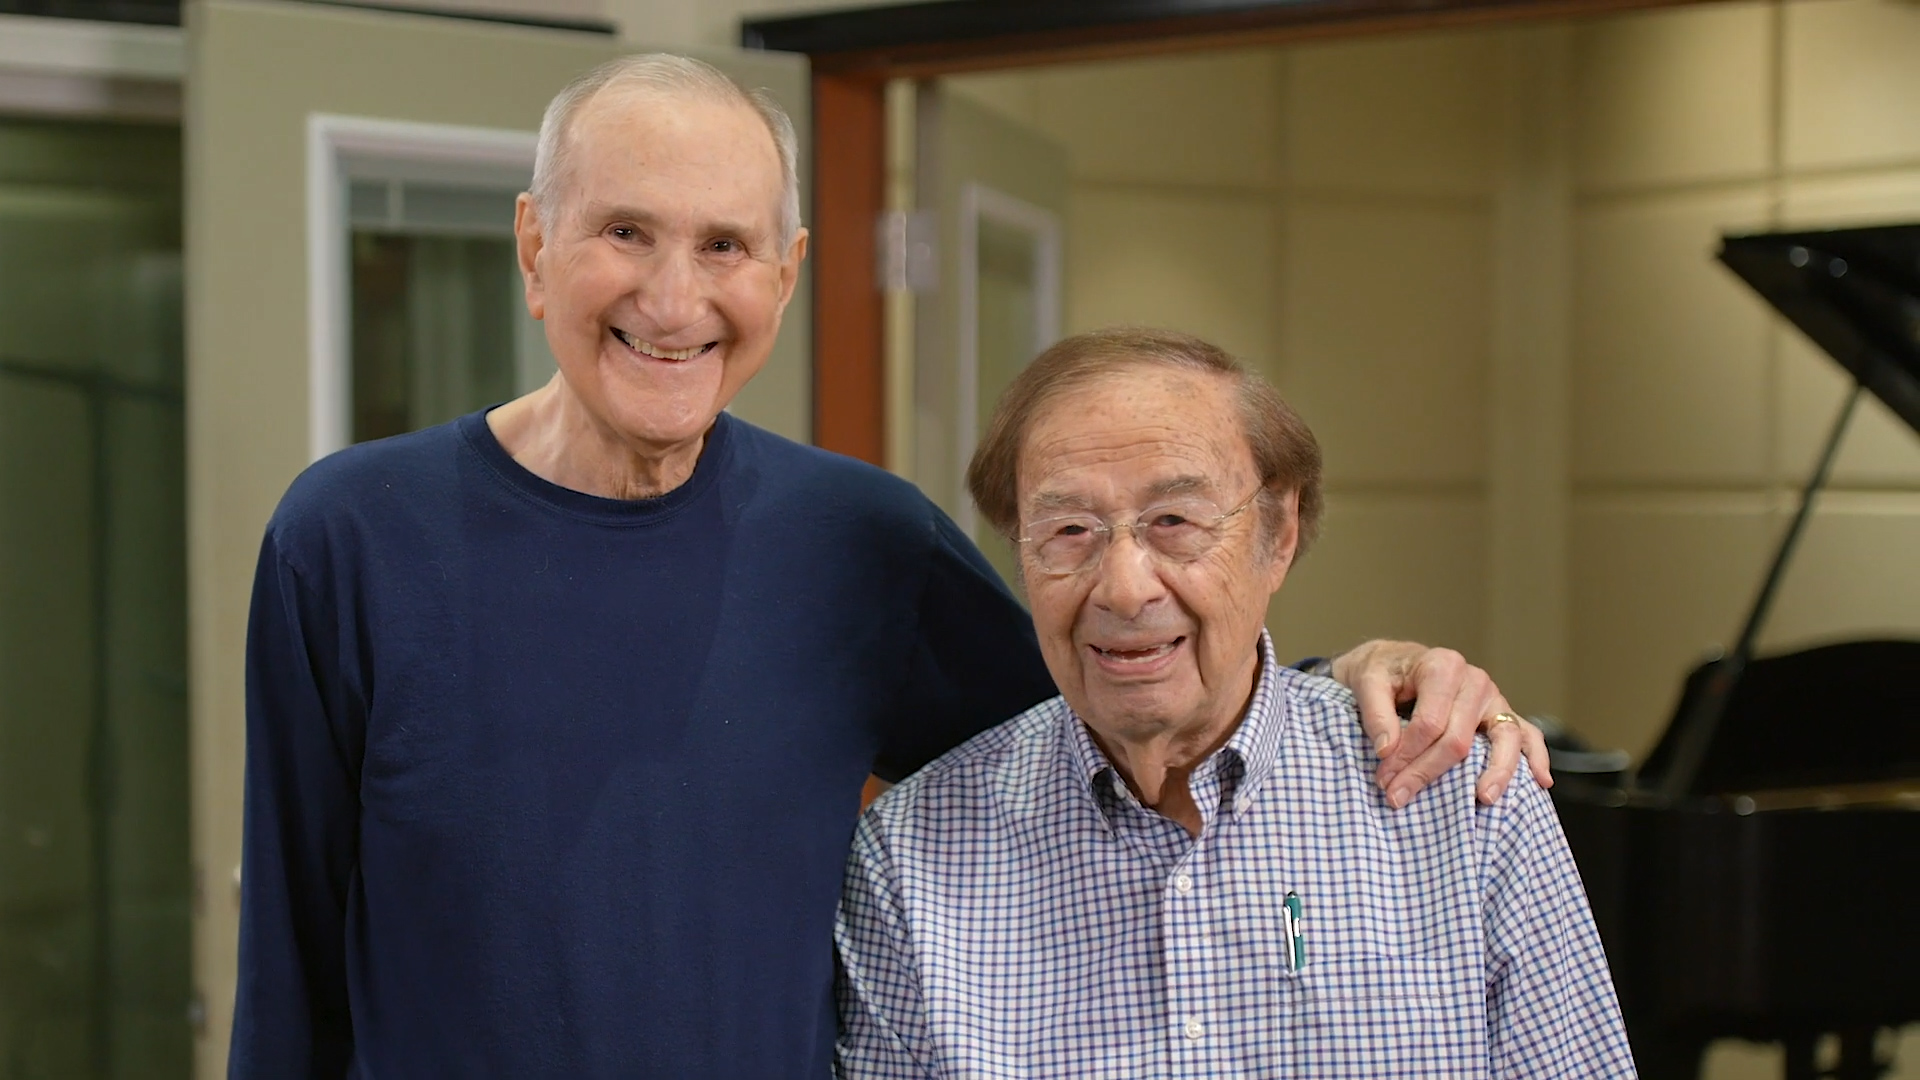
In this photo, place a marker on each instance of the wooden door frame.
(854, 53)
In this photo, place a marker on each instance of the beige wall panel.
(1212, 119)
(1387, 322)
(1009, 93)
(1880, 449)
(1388, 566)
(569, 10)
(1416, 114)
(1855, 574)
(1670, 352)
(1202, 265)
(1675, 96)
(1657, 581)
(1851, 83)
(698, 23)
(1863, 198)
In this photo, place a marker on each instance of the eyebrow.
(1058, 500)
(1177, 485)
(1180, 485)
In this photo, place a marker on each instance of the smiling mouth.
(1139, 656)
(648, 348)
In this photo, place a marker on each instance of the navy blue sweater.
(546, 785)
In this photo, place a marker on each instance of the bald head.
(657, 80)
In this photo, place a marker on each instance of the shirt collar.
(1243, 762)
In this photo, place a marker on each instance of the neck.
(553, 435)
(1157, 764)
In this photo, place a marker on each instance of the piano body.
(1759, 876)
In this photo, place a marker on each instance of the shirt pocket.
(1381, 1016)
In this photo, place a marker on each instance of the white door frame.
(979, 202)
(341, 148)
(86, 69)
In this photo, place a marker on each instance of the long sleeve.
(975, 663)
(883, 1026)
(299, 850)
(1551, 1009)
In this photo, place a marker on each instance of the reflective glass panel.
(439, 321)
(95, 969)
(1008, 309)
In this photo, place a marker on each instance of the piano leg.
(1858, 1061)
(1857, 1058)
(1667, 1055)
(1802, 1056)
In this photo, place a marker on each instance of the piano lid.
(1855, 292)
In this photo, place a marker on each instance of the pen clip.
(1296, 933)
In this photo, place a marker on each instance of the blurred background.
(1560, 437)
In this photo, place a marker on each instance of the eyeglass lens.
(1178, 532)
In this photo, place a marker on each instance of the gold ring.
(1505, 718)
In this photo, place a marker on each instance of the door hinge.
(906, 245)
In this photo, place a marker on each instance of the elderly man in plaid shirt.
(1180, 867)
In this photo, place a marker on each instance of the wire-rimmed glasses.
(1178, 530)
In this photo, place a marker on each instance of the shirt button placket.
(1190, 979)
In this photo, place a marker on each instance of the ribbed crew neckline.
(714, 456)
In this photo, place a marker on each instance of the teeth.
(659, 353)
(1137, 656)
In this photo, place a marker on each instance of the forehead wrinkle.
(1107, 443)
(1079, 446)
(1093, 453)
(678, 131)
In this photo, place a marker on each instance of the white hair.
(667, 75)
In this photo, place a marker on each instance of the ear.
(529, 239)
(790, 267)
(1286, 539)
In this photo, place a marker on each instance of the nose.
(671, 293)
(1129, 577)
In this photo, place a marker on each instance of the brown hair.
(1284, 450)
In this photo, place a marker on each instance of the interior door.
(999, 191)
(350, 175)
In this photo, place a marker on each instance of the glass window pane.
(367, 203)
(1007, 329)
(430, 207)
(95, 968)
(1009, 309)
(434, 334)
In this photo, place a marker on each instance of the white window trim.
(332, 142)
(98, 49)
(79, 67)
(977, 201)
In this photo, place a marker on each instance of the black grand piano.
(1758, 877)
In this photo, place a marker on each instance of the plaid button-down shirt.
(1014, 911)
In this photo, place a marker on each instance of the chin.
(1139, 708)
(666, 415)
(668, 430)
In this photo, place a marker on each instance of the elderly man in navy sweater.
(558, 714)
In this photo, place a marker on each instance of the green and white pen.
(1296, 933)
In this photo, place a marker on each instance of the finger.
(1379, 719)
(1451, 745)
(1434, 682)
(1503, 757)
(1538, 760)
